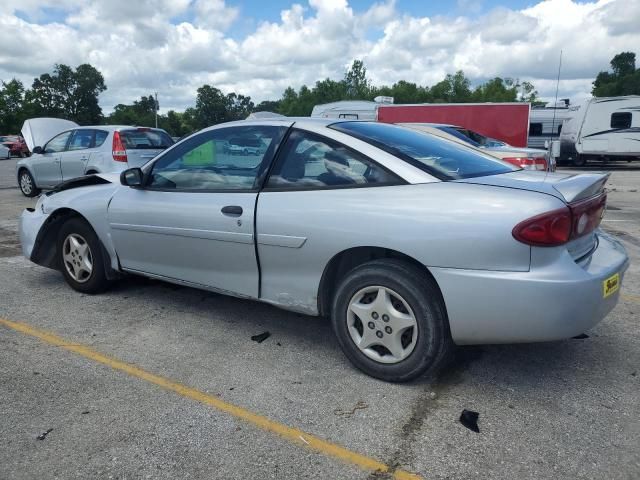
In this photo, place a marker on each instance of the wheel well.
(346, 261)
(44, 249)
(91, 172)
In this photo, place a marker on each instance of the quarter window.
(58, 143)
(225, 159)
(101, 136)
(621, 120)
(310, 161)
(81, 139)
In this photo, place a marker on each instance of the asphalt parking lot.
(152, 380)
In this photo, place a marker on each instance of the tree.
(68, 93)
(529, 93)
(238, 106)
(358, 86)
(454, 88)
(142, 112)
(624, 80)
(12, 113)
(267, 106)
(497, 90)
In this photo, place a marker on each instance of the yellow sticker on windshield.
(611, 285)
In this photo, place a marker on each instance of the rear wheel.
(80, 256)
(579, 160)
(27, 184)
(390, 320)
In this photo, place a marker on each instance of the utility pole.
(156, 109)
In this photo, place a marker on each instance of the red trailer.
(508, 122)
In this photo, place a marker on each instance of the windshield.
(144, 138)
(441, 158)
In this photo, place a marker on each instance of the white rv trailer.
(351, 109)
(602, 129)
(545, 123)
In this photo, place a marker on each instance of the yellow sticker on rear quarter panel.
(611, 285)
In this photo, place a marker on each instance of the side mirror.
(37, 150)
(546, 144)
(132, 177)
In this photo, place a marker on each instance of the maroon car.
(16, 145)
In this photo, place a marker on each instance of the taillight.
(118, 151)
(559, 226)
(547, 230)
(528, 163)
(587, 214)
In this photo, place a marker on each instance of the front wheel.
(27, 184)
(390, 320)
(80, 256)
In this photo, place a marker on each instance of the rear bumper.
(559, 300)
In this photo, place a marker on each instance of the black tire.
(97, 281)
(24, 184)
(433, 344)
(579, 160)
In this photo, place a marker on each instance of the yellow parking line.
(293, 435)
(630, 298)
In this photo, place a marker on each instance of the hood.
(86, 181)
(565, 186)
(38, 131)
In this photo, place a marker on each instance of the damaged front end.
(86, 181)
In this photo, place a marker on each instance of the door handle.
(232, 210)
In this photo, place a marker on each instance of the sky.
(260, 47)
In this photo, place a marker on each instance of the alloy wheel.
(26, 185)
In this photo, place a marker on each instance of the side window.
(58, 143)
(225, 159)
(101, 136)
(621, 120)
(81, 139)
(535, 129)
(312, 161)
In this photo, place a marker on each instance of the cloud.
(175, 46)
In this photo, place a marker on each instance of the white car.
(63, 150)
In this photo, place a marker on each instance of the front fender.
(91, 203)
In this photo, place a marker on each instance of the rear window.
(145, 139)
(437, 156)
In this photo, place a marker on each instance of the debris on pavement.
(85, 412)
(433, 395)
(261, 337)
(43, 435)
(469, 419)
(581, 336)
(347, 413)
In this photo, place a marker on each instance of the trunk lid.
(38, 131)
(568, 187)
(572, 189)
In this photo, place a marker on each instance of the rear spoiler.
(580, 186)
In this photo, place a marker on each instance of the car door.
(319, 191)
(193, 220)
(74, 160)
(46, 166)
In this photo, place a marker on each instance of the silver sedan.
(409, 242)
